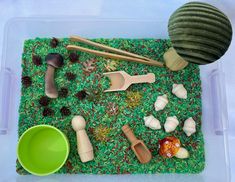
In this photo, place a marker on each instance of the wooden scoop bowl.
(141, 151)
(120, 80)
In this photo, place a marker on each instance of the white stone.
(152, 122)
(189, 126)
(179, 91)
(161, 102)
(171, 124)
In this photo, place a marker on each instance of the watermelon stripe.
(194, 59)
(194, 39)
(197, 54)
(191, 19)
(198, 46)
(201, 9)
(205, 6)
(199, 32)
(204, 15)
(203, 26)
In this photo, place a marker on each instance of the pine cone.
(54, 42)
(73, 57)
(37, 60)
(26, 81)
(81, 95)
(65, 111)
(70, 76)
(44, 101)
(47, 112)
(63, 92)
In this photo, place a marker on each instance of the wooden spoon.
(120, 80)
(141, 151)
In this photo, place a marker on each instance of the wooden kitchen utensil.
(114, 56)
(120, 54)
(141, 151)
(120, 80)
(107, 48)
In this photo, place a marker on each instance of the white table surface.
(126, 9)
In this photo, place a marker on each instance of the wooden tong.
(121, 55)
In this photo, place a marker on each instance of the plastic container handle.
(5, 96)
(219, 102)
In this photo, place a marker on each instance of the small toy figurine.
(54, 61)
(152, 122)
(179, 91)
(189, 126)
(170, 147)
(85, 149)
(139, 148)
(171, 124)
(161, 102)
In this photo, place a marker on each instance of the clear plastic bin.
(214, 114)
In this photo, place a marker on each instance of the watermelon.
(199, 32)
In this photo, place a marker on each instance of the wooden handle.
(107, 48)
(129, 133)
(173, 60)
(149, 78)
(114, 56)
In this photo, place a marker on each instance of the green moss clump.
(133, 99)
(101, 133)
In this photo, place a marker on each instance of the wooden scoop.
(120, 80)
(141, 151)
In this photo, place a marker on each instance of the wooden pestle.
(141, 151)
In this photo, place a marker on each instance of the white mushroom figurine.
(171, 124)
(189, 126)
(161, 102)
(170, 147)
(179, 91)
(151, 122)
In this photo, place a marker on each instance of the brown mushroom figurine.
(54, 60)
(170, 147)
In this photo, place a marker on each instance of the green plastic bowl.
(42, 150)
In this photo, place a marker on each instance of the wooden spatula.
(139, 148)
(120, 80)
